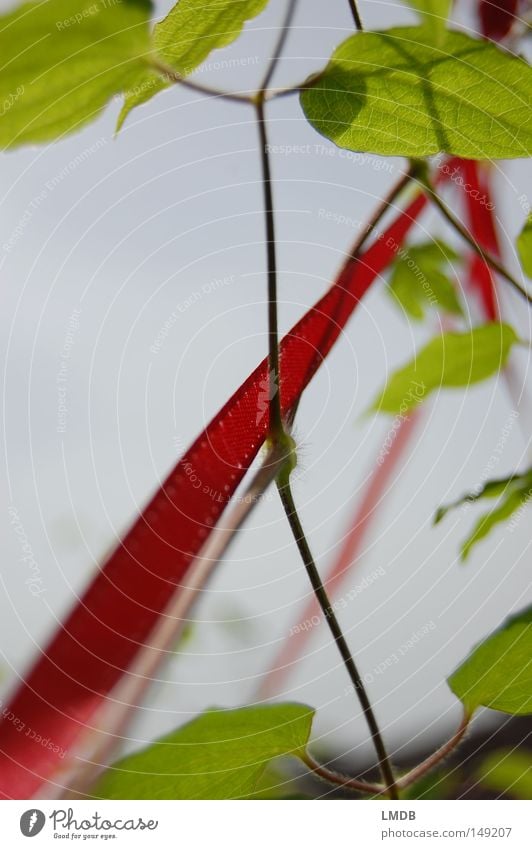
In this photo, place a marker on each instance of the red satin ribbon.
(97, 643)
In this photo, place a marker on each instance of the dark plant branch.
(356, 15)
(276, 427)
(438, 756)
(279, 46)
(285, 492)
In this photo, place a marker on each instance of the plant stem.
(356, 15)
(173, 76)
(381, 210)
(279, 46)
(461, 230)
(276, 427)
(285, 492)
(433, 760)
(334, 777)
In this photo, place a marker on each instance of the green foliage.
(512, 493)
(524, 246)
(183, 40)
(418, 280)
(498, 673)
(507, 771)
(221, 754)
(193, 29)
(434, 785)
(449, 360)
(415, 91)
(436, 12)
(63, 60)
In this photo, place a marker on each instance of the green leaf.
(491, 489)
(498, 673)
(184, 39)
(507, 771)
(512, 494)
(434, 785)
(436, 12)
(418, 281)
(63, 60)
(524, 246)
(221, 754)
(449, 360)
(412, 91)
(193, 29)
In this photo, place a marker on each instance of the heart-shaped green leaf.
(512, 495)
(63, 60)
(449, 360)
(185, 37)
(221, 754)
(418, 280)
(416, 91)
(498, 673)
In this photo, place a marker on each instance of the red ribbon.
(95, 646)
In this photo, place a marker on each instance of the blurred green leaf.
(184, 39)
(418, 280)
(524, 246)
(507, 771)
(434, 785)
(449, 360)
(436, 12)
(512, 493)
(415, 91)
(221, 754)
(490, 489)
(498, 673)
(274, 784)
(63, 60)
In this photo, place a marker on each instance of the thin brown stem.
(173, 76)
(285, 492)
(340, 780)
(276, 427)
(461, 230)
(381, 210)
(279, 46)
(438, 756)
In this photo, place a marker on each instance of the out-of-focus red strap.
(97, 643)
(481, 224)
(496, 17)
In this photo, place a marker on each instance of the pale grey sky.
(167, 218)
